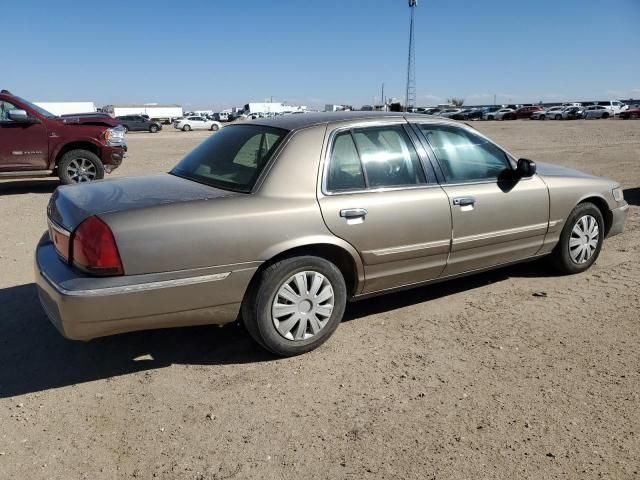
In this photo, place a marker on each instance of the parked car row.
(566, 111)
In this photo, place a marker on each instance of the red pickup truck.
(76, 148)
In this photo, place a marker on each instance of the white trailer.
(65, 108)
(159, 113)
(273, 107)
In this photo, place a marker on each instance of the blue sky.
(215, 54)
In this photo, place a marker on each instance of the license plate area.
(61, 240)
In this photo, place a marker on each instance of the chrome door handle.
(464, 201)
(353, 212)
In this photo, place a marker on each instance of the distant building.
(337, 108)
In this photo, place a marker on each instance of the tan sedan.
(279, 222)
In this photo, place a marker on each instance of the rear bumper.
(619, 220)
(83, 307)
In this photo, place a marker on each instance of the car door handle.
(353, 212)
(464, 201)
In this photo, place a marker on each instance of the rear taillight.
(94, 249)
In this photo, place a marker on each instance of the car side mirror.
(526, 168)
(21, 116)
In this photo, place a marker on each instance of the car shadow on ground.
(632, 195)
(35, 357)
(18, 187)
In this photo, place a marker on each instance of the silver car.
(279, 222)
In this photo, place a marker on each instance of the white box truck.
(159, 113)
(65, 108)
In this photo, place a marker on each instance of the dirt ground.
(512, 374)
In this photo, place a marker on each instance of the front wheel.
(294, 305)
(153, 129)
(214, 127)
(186, 128)
(605, 115)
(80, 166)
(558, 117)
(581, 240)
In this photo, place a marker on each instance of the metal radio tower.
(410, 96)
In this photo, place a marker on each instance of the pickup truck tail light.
(94, 249)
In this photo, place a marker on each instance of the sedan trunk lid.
(71, 204)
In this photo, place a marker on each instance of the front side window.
(233, 158)
(463, 155)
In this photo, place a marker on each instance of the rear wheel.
(126, 129)
(214, 127)
(581, 240)
(294, 305)
(558, 116)
(186, 128)
(605, 115)
(153, 128)
(633, 116)
(80, 166)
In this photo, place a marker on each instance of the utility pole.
(410, 95)
(384, 104)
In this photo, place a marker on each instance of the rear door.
(496, 217)
(23, 146)
(379, 195)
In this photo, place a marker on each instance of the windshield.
(233, 158)
(38, 109)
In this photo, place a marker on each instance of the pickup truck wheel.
(580, 241)
(153, 128)
(186, 128)
(294, 305)
(80, 166)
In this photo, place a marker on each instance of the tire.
(562, 258)
(126, 129)
(80, 166)
(259, 305)
(558, 117)
(633, 116)
(153, 129)
(489, 117)
(605, 115)
(215, 127)
(543, 117)
(186, 128)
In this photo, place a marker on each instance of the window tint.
(388, 157)
(463, 155)
(5, 108)
(345, 170)
(233, 158)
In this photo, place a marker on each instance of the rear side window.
(463, 155)
(345, 169)
(373, 157)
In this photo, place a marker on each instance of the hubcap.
(303, 305)
(584, 239)
(81, 170)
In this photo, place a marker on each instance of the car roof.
(296, 122)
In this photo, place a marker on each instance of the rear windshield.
(232, 158)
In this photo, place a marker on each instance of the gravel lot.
(512, 374)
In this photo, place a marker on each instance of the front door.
(23, 146)
(497, 218)
(377, 195)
